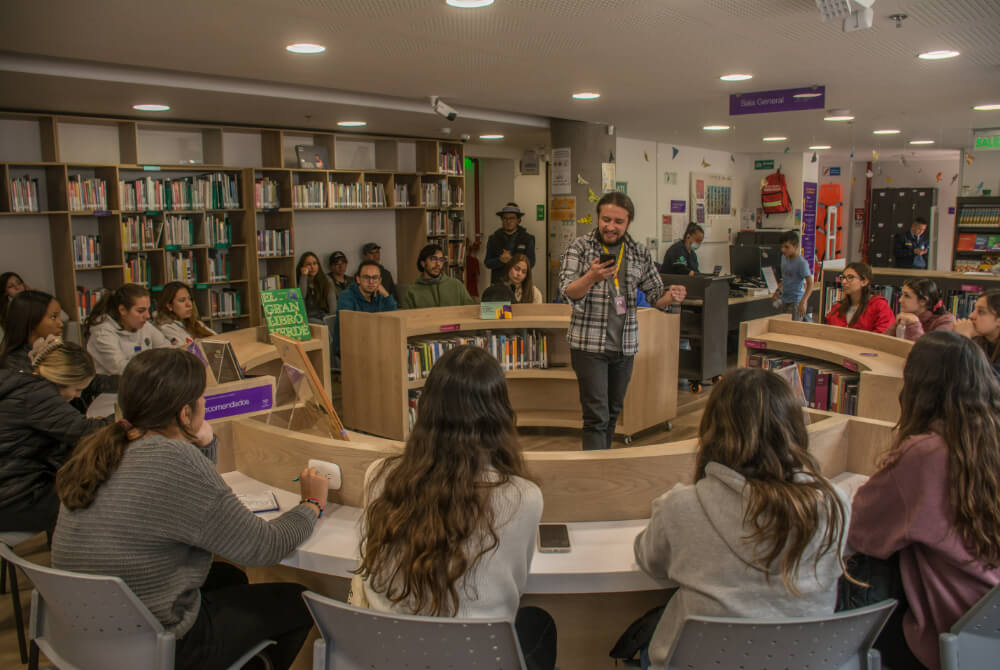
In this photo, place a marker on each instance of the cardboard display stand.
(308, 388)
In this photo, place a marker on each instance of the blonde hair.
(62, 363)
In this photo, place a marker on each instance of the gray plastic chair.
(974, 640)
(95, 622)
(840, 641)
(8, 570)
(354, 638)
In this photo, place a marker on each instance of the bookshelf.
(375, 357)
(977, 234)
(960, 290)
(116, 186)
(876, 360)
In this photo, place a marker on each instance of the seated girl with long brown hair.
(177, 315)
(933, 509)
(141, 500)
(449, 527)
(517, 273)
(761, 532)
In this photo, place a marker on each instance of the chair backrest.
(974, 640)
(837, 642)
(92, 621)
(355, 638)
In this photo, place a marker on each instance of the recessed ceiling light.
(819, 147)
(940, 54)
(807, 95)
(152, 108)
(586, 95)
(352, 124)
(469, 4)
(305, 48)
(491, 137)
(921, 141)
(886, 131)
(715, 127)
(839, 117)
(736, 77)
(774, 139)
(987, 108)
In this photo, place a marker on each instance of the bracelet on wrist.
(314, 501)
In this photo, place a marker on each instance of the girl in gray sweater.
(141, 500)
(761, 533)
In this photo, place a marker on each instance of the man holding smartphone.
(599, 276)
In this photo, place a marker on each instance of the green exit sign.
(764, 165)
(988, 141)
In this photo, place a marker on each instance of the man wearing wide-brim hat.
(511, 238)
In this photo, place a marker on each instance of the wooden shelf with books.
(977, 234)
(385, 357)
(875, 362)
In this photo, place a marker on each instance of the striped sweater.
(157, 522)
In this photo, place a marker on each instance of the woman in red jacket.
(859, 308)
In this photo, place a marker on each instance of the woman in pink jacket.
(921, 310)
(935, 503)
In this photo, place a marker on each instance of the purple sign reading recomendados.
(243, 401)
(787, 100)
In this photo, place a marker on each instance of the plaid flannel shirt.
(588, 324)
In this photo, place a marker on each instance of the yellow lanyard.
(621, 251)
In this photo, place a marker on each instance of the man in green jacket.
(433, 287)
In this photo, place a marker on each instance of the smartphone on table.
(553, 538)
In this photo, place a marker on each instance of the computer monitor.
(744, 261)
(770, 256)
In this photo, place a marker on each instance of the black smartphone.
(607, 258)
(553, 538)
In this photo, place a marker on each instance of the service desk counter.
(596, 589)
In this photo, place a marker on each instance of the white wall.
(793, 166)
(26, 250)
(985, 168)
(325, 232)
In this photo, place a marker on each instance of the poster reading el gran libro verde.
(285, 313)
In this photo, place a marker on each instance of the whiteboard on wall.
(712, 206)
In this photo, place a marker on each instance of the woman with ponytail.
(761, 532)
(141, 500)
(860, 308)
(118, 328)
(933, 509)
(921, 310)
(38, 430)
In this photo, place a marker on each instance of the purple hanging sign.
(785, 100)
(678, 206)
(809, 192)
(243, 401)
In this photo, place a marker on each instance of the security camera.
(443, 109)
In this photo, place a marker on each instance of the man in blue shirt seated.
(366, 294)
(911, 247)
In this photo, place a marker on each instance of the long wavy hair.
(753, 424)
(431, 521)
(25, 312)
(319, 283)
(155, 386)
(164, 314)
(865, 272)
(527, 286)
(950, 389)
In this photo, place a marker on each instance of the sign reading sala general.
(786, 100)
(988, 140)
(285, 313)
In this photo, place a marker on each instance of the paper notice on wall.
(667, 232)
(562, 212)
(608, 174)
(562, 178)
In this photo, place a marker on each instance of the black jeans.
(38, 515)
(536, 631)
(235, 616)
(603, 380)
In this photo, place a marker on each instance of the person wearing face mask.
(118, 328)
(38, 429)
(681, 258)
(599, 275)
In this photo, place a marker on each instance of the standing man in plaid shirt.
(603, 331)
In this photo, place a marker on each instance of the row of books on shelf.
(87, 251)
(24, 194)
(328, 195)
(87, 298)
(274, 243)
(401, 195)
(266, 194)
(180, 266)
(137, 270)
(978, 242)
(987, 217)
(225, 303)
(214, 190)
(520, 350)
(959, 303)
(218, 265)
(451, 162)
(982, 264)
(86, 194)
(143, 232)
(274, 282)
(822, 387)
(444, 224)
(442, 194)
(413, 399)
(456, 252)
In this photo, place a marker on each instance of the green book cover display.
(285, 313)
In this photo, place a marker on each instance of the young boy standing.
(796, 283)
